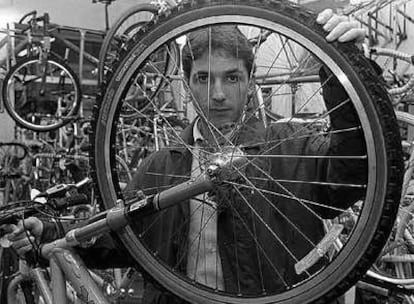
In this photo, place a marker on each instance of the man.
(219, 77)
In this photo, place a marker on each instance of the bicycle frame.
(384, 286)
(63, 262)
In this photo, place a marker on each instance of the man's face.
(219, 85)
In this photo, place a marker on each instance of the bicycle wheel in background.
(406, 121)
(124, 29)
(15, 171)
(300, 267)
(124, 172)
(15, 164)
(395, 261)
(9, 266)
(400, 257)
(120, 32)
(41, 96)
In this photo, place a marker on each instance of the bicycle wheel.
(41, 96)
(141, 136)
(123, 29)
(273, 247)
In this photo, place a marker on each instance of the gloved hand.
(25, 235)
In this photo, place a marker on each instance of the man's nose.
(217, 91)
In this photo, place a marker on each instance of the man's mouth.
(217, 109)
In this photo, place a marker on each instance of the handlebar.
(60, 190)
(32, 22)
(71, 201)
(32, 14)
(60, 156)
(393, 53)
(11, 213)
(397, 55)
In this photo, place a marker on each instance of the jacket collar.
(252, 132)
(187, 138)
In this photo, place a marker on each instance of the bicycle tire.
(46, 101)
(371, 102)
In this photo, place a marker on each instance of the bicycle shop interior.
(83, 25)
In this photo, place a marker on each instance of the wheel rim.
(61, 93)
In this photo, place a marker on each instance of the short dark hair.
(226, 38)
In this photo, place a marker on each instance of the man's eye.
(202, 78)
(233, 78)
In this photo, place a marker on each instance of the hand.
(25, 234)
(340, 28)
